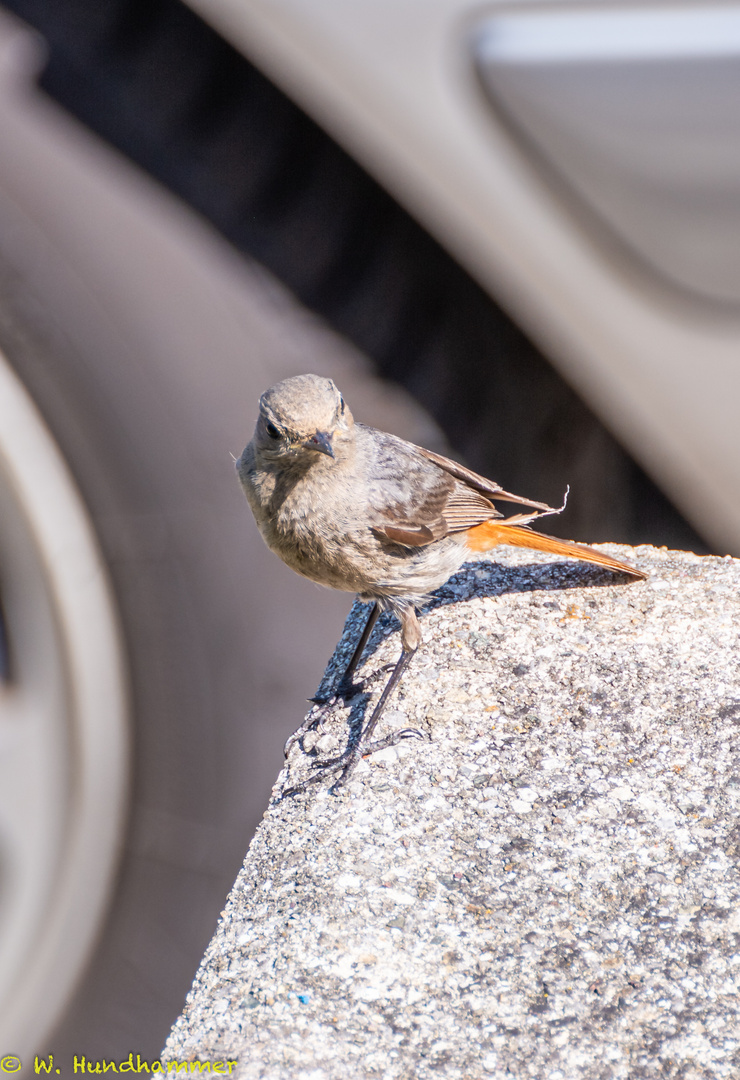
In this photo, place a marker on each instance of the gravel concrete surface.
(546, 886)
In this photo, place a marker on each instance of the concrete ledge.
(548, 888)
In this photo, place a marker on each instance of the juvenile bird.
(366, 512)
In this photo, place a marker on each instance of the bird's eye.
(272, 431)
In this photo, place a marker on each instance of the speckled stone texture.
(546, 887)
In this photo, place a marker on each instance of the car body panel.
(395, 83)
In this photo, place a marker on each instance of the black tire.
(223, 645)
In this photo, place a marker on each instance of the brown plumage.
(364, 511)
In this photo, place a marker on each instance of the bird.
(357, 509)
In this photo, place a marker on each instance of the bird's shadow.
(467, 584)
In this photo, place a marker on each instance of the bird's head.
(302, 418)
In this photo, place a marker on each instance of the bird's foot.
(393, 740)
(320, 708)
(342, 695)
(313, 721)
(346, 763)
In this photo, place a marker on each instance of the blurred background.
(508, 232)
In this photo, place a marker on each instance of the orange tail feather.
(491, 533)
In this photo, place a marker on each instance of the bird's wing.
(413, 501)
(418, 516)
(419, 497)
(478, 483)
(424, 522)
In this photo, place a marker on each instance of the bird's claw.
(411, 733)
(314, 720)
(343, 694)
(392, 740)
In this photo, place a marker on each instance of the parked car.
(506, 231)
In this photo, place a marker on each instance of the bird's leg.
(410, 639)
(345, 687)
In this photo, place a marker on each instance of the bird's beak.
(321, 441)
